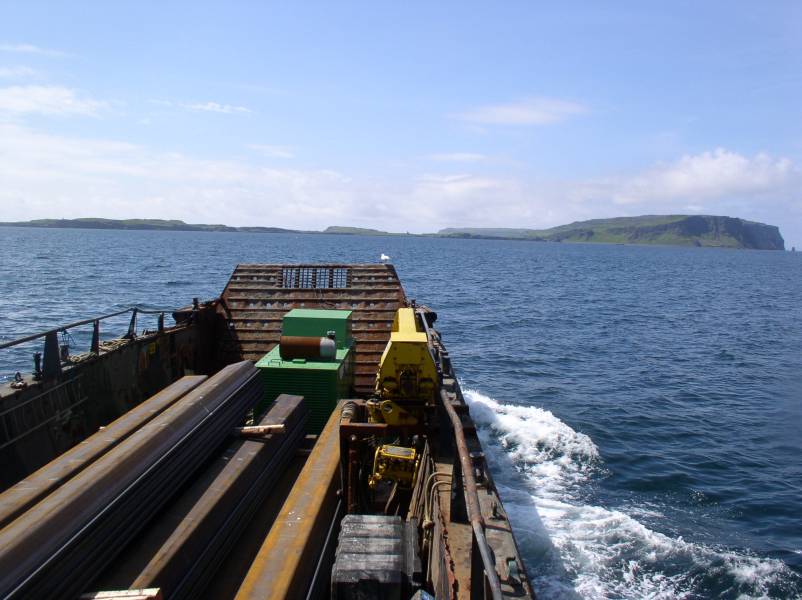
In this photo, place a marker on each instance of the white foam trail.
(573, 550)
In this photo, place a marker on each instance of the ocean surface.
(641, 406)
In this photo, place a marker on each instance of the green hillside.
(175, 225)
(356, 231)
(135, 224)
(669, 230)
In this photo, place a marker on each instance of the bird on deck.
(385, 258)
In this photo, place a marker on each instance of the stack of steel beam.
(60, 545)
(27, 493)
(293, 557)
(208, 519)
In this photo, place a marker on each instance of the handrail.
(86, 322)
(477, 522)
(422, 316)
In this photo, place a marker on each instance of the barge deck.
(379, 504)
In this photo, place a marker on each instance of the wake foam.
(574, 550)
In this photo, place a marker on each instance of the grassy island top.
(659, 230)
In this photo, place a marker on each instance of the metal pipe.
(475, 512)
(36, 336)
(424, 323)
(426, 490)
(428, 505)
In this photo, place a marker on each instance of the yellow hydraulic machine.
(407, 377)
(405, 386)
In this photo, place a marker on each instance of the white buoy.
(385, 258)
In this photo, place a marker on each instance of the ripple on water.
(574, 549)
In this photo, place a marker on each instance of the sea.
(641, 407)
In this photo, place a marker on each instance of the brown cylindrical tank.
(291, 347)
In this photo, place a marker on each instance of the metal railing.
(472, 497)
(133, 309)
(48, 364)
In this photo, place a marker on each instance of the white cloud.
(272, 151)
(456, 157)
(531, 111)
(13, 72)
(28, 48)
(215, 107)
(44, 175)
(48, 100)
(708, 176)
(161, 102)
(718, 182)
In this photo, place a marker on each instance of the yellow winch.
(395, 463)
(407, 377)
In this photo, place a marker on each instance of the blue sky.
(401, 116)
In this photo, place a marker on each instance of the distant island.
(175, 225)
(671, 230)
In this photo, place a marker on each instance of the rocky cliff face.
(668, 230)
(710, 231)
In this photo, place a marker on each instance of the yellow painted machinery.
(405, 388)
(395, 463)
(407, 377)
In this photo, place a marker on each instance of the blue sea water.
(641, 406)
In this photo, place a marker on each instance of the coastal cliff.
(673, 230)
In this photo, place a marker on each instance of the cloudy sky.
(401, 116)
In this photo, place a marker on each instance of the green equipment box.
(306, 322)
(322, 382)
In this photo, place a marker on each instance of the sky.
(401, 116)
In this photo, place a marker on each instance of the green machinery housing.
(322, 381)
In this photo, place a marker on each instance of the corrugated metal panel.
(321, 388)
(256, 299)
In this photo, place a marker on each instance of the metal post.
(95, 347)
(161, 323)
(37, 362)
(131, 327)
(353, 475)
(51, 364)
(445, 361)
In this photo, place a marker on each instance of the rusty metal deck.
(257, 297)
